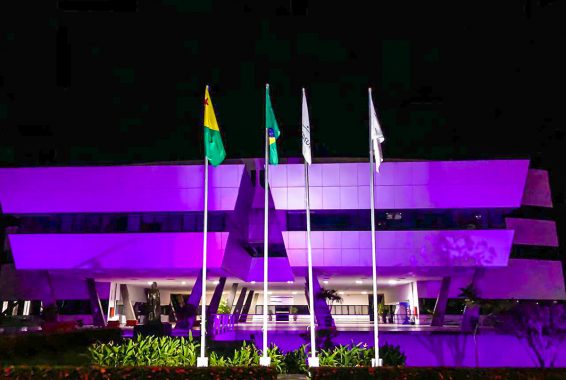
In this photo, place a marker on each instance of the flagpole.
(313, 360)
(376, 362)
(203, 360)
(265, 360)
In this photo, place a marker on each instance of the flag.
(272, 129)
(306, 131)
(376, 135)
(213, 147)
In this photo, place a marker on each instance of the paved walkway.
(292, 377)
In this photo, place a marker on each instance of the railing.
(350, 310)
(336, 309)
(221, 323)
(300, 319)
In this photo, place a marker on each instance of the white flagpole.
(376, 362)
(313, 360)
(203, 360)
(265, 360)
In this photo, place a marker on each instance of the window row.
(113, 223)
(360, 220)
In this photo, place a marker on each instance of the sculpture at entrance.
(152, 324)
(153, 304)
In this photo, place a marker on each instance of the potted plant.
(470, 318)
(331, 296)
(391, 313)
(294, 312)
(382, 311)
(223, 308)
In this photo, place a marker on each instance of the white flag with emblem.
(306, 131)
(376, 134)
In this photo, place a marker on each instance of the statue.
(153, 304)
(153, 325)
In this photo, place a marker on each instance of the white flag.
(376, 135)
(306, 131)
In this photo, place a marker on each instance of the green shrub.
(438, 373)
(146, 351)
(215, 360)
(223, 308)
(46, 348)
(277, 358)
(19, 321)
(355, 355)
(391, 355)
(296, 360)
(131, 373)
(176, 352)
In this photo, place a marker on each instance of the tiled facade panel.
(117, 189)
(537, 189)
(521, 279)
(401, 248)
(533, 232)
(402, 185)
(95, 252)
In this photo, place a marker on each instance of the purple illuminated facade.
(469, 221)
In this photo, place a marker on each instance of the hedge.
(437, 373)
(154, 373)
(16, 349)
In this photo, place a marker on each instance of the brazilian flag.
(272, 129)
(213, 147)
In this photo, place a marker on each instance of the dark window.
(255, 249)
(455, 306)
(535, 252)
(121, 222)
(73, 307)
(426, 305)
(359, 220)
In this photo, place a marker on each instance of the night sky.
(81, 83)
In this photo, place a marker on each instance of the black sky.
(452, 80)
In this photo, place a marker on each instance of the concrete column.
(128, 308)
(190, 309)
(321, 309)
(213, 306)
(232, 295)
(112, 300)
(95, 305)
(11, 308)
(20, 307)
(247, 305)
(240, 303)
(216, 296)
(441, 302)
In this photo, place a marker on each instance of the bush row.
(437, 373)
(237, 373)
(167, 351)
(154, 373)
(15, 348)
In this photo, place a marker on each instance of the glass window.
(74, 307)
